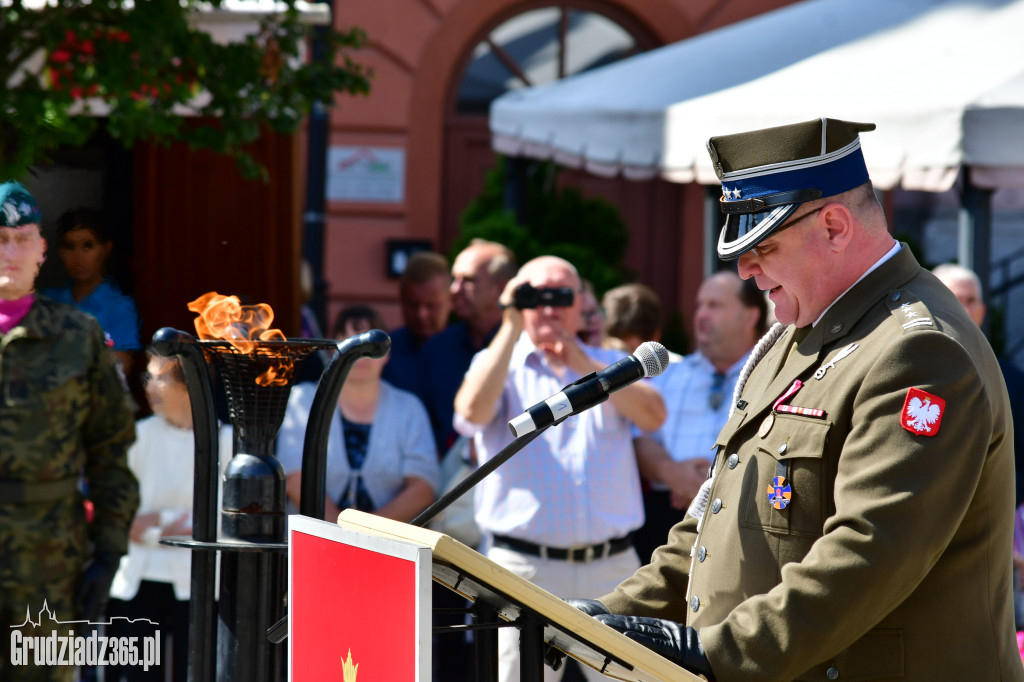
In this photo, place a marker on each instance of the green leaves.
(142, 67)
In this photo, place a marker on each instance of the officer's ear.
(838, 222)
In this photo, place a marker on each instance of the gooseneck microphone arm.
(442, 503)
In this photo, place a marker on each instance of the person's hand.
(565, 350)
(94, 585)
(674, 641)
(140, 524)
(591, 607)
(554, 658)
(179, 526)
(684, 479)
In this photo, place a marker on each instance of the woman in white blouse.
(153, 580)
(381, 456)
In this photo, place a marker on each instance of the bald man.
(966, 286)
(560, 512)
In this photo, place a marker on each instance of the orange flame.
(225, 318)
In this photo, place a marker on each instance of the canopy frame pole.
(974, 236)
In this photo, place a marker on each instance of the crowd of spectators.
(576, 512)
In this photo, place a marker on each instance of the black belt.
(574, 555)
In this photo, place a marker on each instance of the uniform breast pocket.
(784, 492)
(35, 388)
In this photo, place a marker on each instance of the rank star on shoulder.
(908, 311)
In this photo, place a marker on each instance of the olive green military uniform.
(892, 558)
(64, 413)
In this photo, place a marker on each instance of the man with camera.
(559, 513)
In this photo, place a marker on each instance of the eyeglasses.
(794, 221)
(786, 226)
(717, 393)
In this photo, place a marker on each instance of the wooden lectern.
(378, 556)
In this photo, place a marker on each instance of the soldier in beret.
(857, 521)
(65, 413)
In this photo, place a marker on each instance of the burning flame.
(225, 318)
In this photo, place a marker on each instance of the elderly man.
(65, 413)
(729, 319)
(857, 522)
(966, 286)
(479, 274)
(560, 512)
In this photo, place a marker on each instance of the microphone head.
(653, 356)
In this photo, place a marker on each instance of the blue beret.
(17, 207)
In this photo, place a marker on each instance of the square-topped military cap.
(767, 173)
(17, 207)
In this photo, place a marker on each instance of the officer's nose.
(749, 265)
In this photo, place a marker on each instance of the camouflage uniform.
(64, 413)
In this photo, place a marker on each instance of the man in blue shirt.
(426, 302)
(674, 460)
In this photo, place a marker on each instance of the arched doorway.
(543, 44)
(540, 45)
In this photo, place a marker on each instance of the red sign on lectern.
(358, 605)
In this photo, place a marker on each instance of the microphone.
(650, 359)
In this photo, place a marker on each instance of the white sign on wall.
(366, 174)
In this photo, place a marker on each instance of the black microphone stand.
(443, 502)
(531, 631)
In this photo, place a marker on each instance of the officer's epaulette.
(909, 311)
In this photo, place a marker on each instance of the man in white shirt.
(559, 513)
(730, 317)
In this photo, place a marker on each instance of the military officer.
(856, 522)
(65, 413)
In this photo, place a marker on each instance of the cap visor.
(743, 231)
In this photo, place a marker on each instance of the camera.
(528, 296)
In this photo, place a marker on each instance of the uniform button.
(716, 505)
(695, 604)
(783, 448)
(733, 460)
(832, 673)
(837, 327)
(895, 297)
(702, 554)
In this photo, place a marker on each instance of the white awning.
(942, 79)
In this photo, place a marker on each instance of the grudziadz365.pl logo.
(30, 645)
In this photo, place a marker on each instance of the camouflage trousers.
(44, 613)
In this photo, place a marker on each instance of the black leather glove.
(94, 585)
(591, 607)
(554, 658)
(675, 641)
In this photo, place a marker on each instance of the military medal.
(780, 494)
(780, 405)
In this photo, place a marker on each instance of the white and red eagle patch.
(922, 412)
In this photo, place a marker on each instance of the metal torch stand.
(252, 522)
